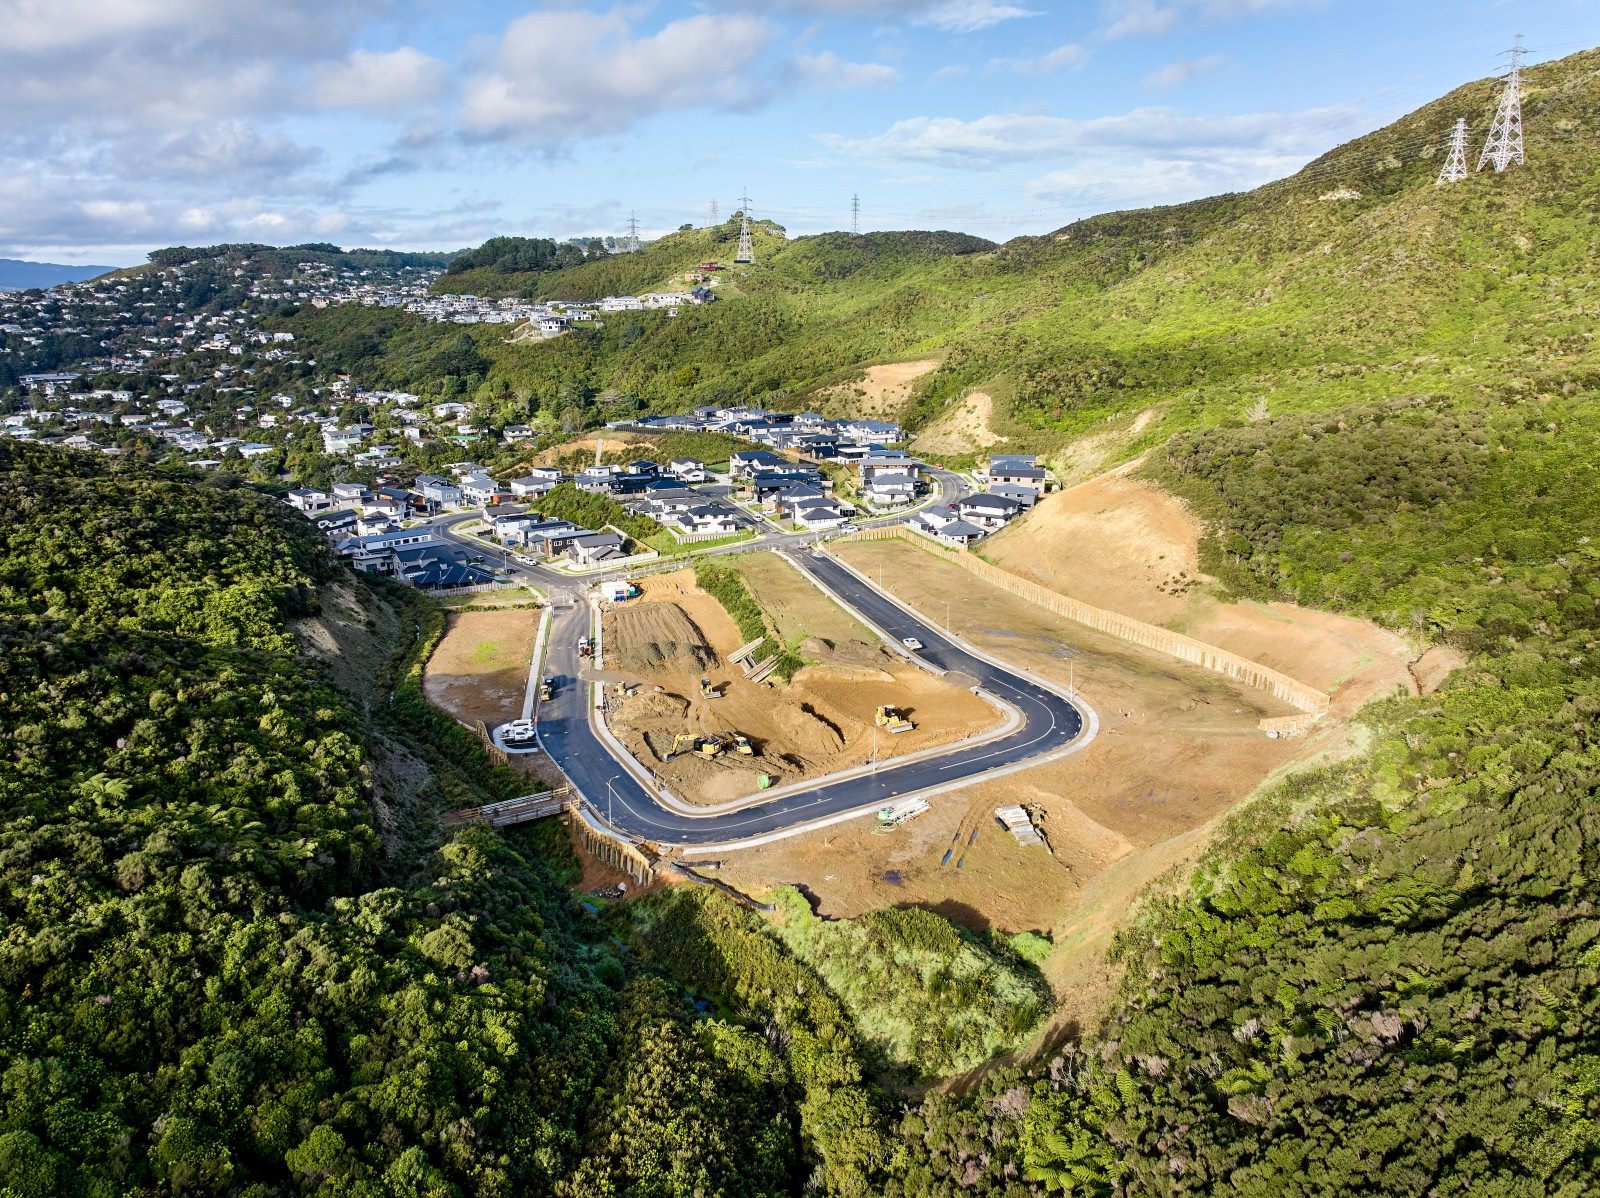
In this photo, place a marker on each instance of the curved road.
(1050, 723)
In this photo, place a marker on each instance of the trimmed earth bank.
(659, 646)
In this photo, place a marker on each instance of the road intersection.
(620, 794)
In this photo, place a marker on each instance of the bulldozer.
(889, 718)
(708, 747)
(742, 745)
(708, 689)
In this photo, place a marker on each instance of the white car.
(911, 642)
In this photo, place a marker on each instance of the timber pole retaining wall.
(1150, 636)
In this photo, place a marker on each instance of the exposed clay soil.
(965, 426)
(657, 648)
(479, 671)
(1122, 544)
(1178, 748)
(881, 392)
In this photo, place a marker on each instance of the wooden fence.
(1150, 636)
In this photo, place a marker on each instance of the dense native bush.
(933, 1000)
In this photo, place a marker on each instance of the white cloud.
(952, 16)
(1151, 18)
(828, 70)
(374, 81)
(1070, 55)
(1140, 18)
(969, 16)
(559, 76)
(1175, 74)
(1142, 133)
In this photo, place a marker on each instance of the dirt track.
(664, 642)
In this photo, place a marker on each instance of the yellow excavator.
(703, 746)
(890, 719)
(708, 689)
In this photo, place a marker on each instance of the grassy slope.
(1200, 310)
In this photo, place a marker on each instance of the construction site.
(714, 735)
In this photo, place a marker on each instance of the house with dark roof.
(988, 511)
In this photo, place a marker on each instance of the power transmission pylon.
(633, 234)
(747, 249)
(1455, 166)
(711, 221)
(855, 215)
(1504, 146)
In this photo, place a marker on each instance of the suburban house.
(947, 528)
(355, 493)
(595, 547)
(865, 432)
(536, 482)
(343, 440)
(1017, 470)
(599, 479)
(890, 488)
(1026, 496)
(337, 524)
(687, 470)
(375, 553)
(748, 462)
(811, 509)
(308, 500)
(386, 501)
(436, 567)
(438, 491)
(703, 521)
(539, 537)
(988, 511)
(479, 490)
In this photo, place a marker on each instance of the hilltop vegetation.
(1354, 280)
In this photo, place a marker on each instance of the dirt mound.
(807, 731)
(855, 660)
(653, 705)
(656, 638)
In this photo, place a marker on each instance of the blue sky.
(132, 124)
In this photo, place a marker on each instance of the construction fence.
(1150, 636)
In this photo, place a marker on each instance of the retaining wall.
(1150, 636)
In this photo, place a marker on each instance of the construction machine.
(585, 649)
(547, 689)
(742, 745)
(708, 747)
(890, 719)
(708, 689)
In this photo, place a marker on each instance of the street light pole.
(611, 796)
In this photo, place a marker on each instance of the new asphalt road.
(1049, 724)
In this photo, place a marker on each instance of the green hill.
(1354, 279)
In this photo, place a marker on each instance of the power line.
(747, 250)
(633, 233)
(1504, 146)
(711, 220)
(855, 215)
(1455, 166)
